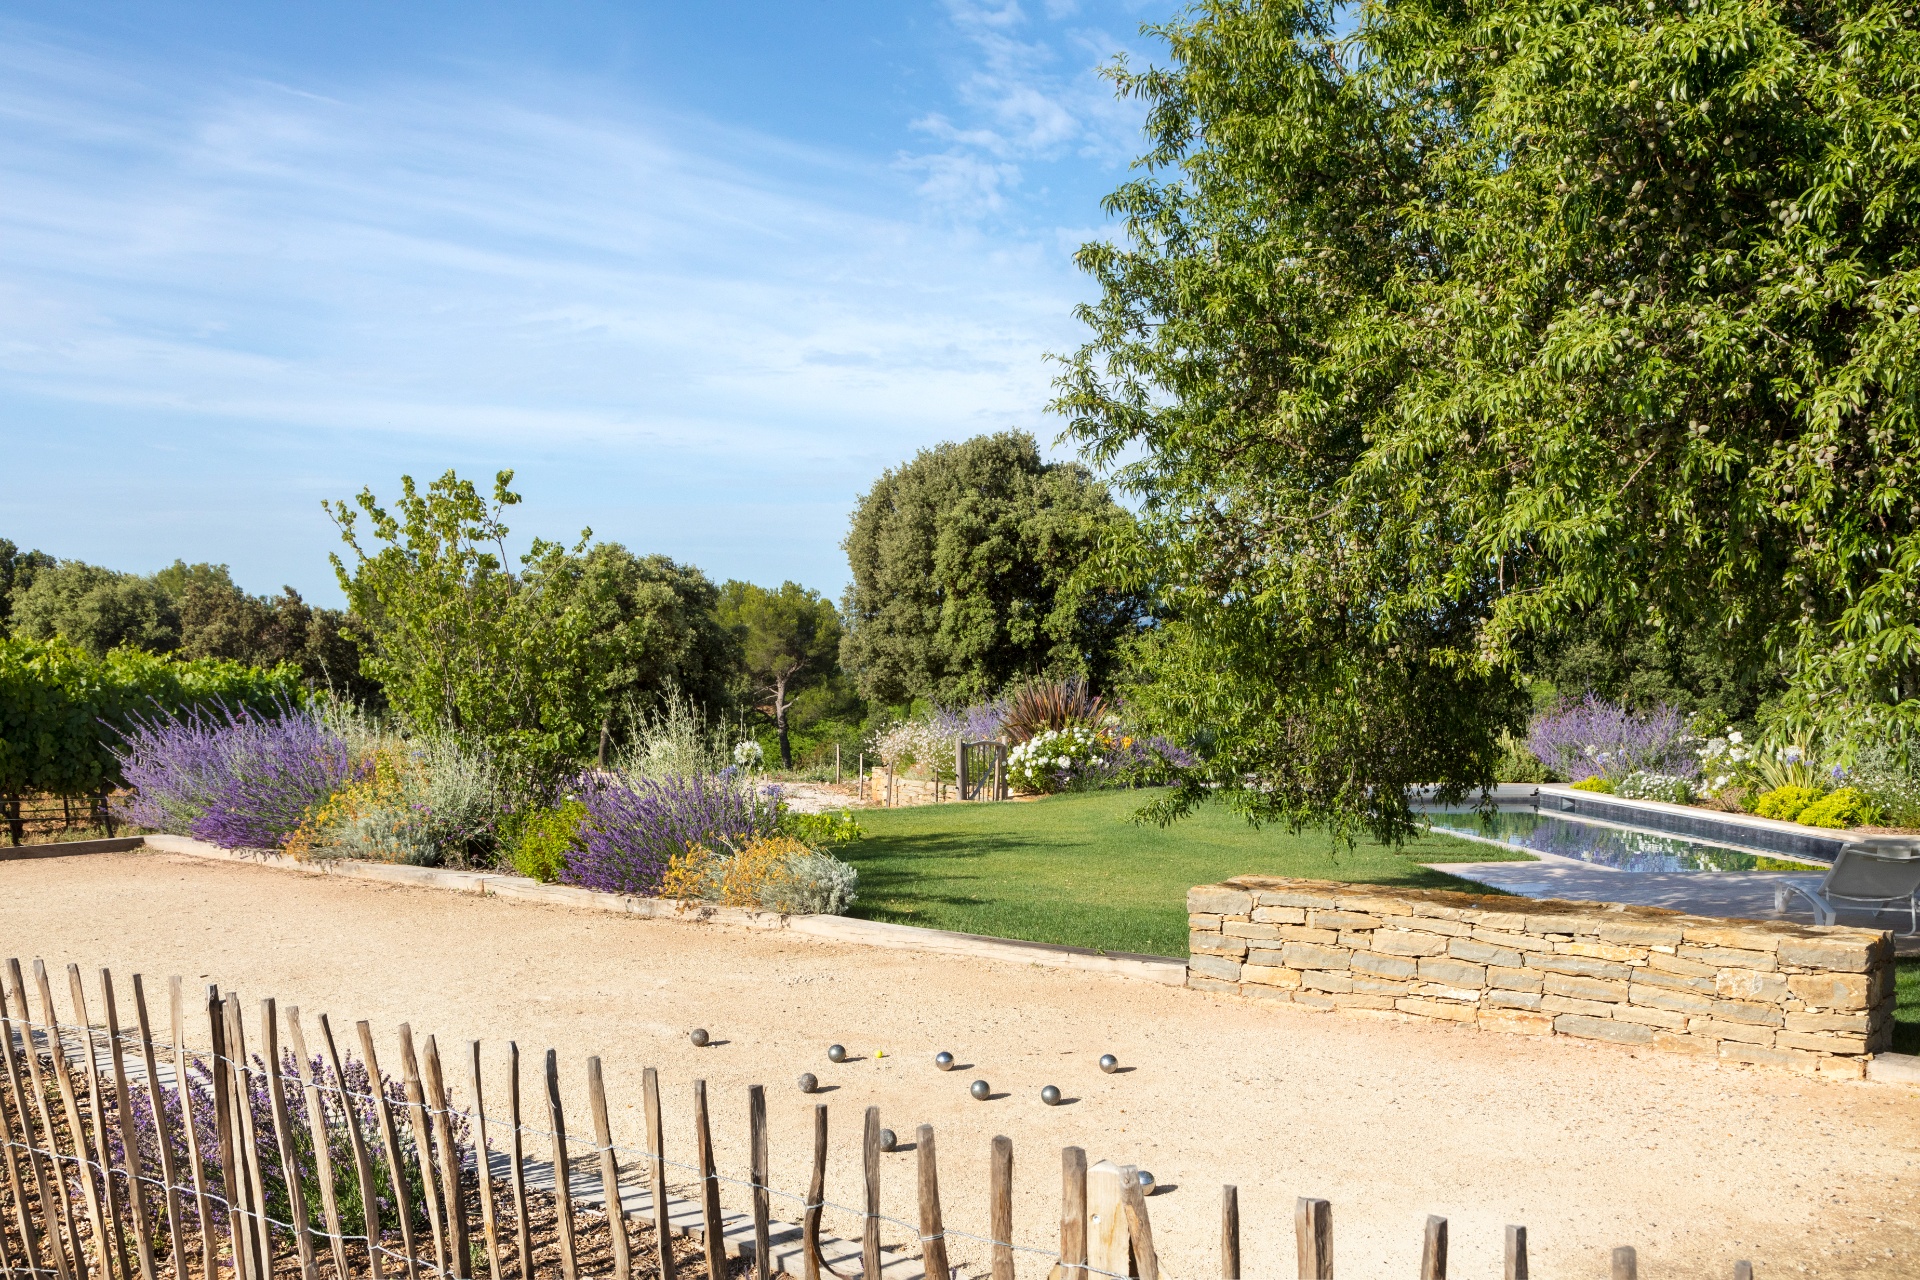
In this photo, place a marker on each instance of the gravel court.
(1589, 1146)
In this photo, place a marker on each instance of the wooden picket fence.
(94, 1185)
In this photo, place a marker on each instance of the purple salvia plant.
(980, 722)
(634, 826)
(235, 778)
(1579, 740)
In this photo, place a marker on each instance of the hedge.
(62, 710)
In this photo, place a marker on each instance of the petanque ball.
(943, 1060)
(836, 1053)
(1050, 1096)
(1145, 1180)
(1109, 1063)
(887, 1141)
(807, 1082)
(699, 1037)
(980, 1089)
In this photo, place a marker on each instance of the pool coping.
(1768, 835)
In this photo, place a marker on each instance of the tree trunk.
(780, 722)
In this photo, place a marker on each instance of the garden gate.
(980, 770)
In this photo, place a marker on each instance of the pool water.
(1604, 845)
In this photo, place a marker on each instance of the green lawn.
(1076, 869)
(1906, 1014)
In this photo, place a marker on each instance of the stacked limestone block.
(1818, 1000)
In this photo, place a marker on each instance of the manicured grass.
(1906, 1013)
(1077, 869)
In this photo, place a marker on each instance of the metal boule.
(887, 1140)
(980, 1089)
(699, 1037)
(1109, 1063)
(807, 1082)
(1145, 1180)
(943, 1060)
(836, 1053)
(1050, 1096)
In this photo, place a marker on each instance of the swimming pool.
(1604, 844)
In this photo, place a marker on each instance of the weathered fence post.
(757, 1158)
(609, 1172)
(1516, 1268)
(247, 1140)
(1107, 1248)
(1229, 1233)
(97, 1107)
(1139, 1229)
(362, 1162)
(483, 1163)
(390, 1139)
(657, 1168)
(562, 1178)
(1073, 1213)
(1000, 1201)
(1626, 1264)
(523, 1240)
(283, 1137)
(1313, 1237)
(450, 1181)
(163, 1130)
(317, 1133)
(202, 1206)
(129, 1143)
(816, 1198)
(1433, 1249)
(417, 1124)
(16, 1095)
(232, 1171)
(933, 1227)
(709, 1185)
(76, 1133)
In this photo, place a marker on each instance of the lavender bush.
(635, 825)
(232, 777)
(1580, 740)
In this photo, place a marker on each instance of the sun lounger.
(1865, 878)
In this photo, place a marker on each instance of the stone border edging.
(1162, 969)
(1744, 829)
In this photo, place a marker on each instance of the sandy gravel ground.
(1589, 1146)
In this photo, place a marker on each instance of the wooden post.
(162, 1129)
(1433, 1249)
(870, 1168)
(1626, 1264)
(390, 1139)
(1313, 1237)
(933, 1230)
(860, 774)
(1146, 1258)
(1516, 1268)
(76, 1132)
(17, 1096)
(423, 1144)
(450, 1180)
(1107, 1247)
(836, 764)
(247, 1141)
(1229, 1233)
(562, 1177)
(1000, 1201)
(483, 1163)
(816, 1197)
(523, 1239)
(757, 1156)
(657, 1168)
(97, 1106)
(202, 1206)
(362, 1163)
(239, 1235)
(317, 1133)
(1743, 1271)
(129, 1142)
(1073, 1213)
(609, 1172)
(709, 1185)
(283, 1138)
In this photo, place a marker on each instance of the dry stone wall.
(1818, 1000)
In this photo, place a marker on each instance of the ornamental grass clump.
(1592, 737)
(1040, 705)
(635, 826)
(232, 777)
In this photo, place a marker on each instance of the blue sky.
(699, 273)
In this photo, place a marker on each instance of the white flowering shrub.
(1644, 785)
(1054, 759)
(1726, 760)
(747, 754)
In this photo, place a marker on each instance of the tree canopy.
(790, 639)
(965, 574)
(1424, 339)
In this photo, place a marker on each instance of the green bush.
(62, 709)
(819, 830)
(1598, 782)
(1847, 807)
(1785, 802)
(546, 838)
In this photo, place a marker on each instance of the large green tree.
(790, 640)
(1425, 338)
(966, 574)
(17, 568)
(97, 609)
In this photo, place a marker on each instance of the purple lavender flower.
(236, 778)
(1578, 740)
(634, 826)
